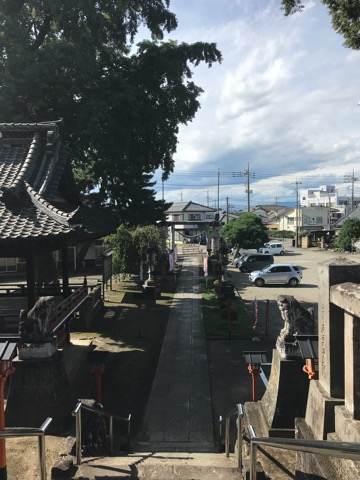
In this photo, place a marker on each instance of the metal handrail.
(348, 450)
(239, 413)
(17, 432)
(77, 414)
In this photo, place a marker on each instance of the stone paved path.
(179, 411)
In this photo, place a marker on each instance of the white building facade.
(327, 196)
(310, 218)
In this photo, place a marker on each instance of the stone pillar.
(352, 365)
(331, 325)
(328, 392)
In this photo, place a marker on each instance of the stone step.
(161, 466)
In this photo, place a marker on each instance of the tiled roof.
(31, 168)
(189, 207)
(28, 221)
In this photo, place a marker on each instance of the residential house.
(190, 220)
(310, 219)
(270, 215)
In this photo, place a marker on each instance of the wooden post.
(3, 469)
(5, 370)
(30, 280)
(65, 271)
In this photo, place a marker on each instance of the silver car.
(282, 274)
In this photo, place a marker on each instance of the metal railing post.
(227, 436)
(111, 433)
(78, 436)
(42, 456)
(220, 428)
(253, 460)
(129, 430)
(239, 424)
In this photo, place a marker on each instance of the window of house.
(194, 216)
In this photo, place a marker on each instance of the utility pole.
(162, 189)
(181, 197)
(207, 198)
(351, 179)
(276, 200)
(246, 173)
(218, 191)
(297, 214)
(227, 210)
(248, 187)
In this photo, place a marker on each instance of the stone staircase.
(160, 466)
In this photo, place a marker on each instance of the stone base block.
(285, 397)
(39, 389)
(347, 429)
(321, 467)
(320, 415)
(131, 285)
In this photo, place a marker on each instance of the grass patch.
(216, 320)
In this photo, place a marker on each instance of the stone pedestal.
(284, 399)
(285, 396)
(39, 389)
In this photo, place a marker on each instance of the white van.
(273, 248)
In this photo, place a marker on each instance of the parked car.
(274, 248)
(255, 261)
(241, 254)
(281, 274)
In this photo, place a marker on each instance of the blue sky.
(285, 99)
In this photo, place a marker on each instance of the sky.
(284, 99)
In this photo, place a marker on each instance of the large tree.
(349, 233)
(248, 231)
(122, 103)
(345, 16)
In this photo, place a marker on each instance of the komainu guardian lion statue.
(34, 327)
(297, 321)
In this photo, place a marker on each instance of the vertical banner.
(206, 266)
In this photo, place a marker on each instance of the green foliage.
(345, 16)
(130, 246)
(349, 233)
(248, 231)
(281, 233)
(122, 105)
(149, 237)
(215, 319)
(124, 251)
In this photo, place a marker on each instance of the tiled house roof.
(34, 211)
(178, 207)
